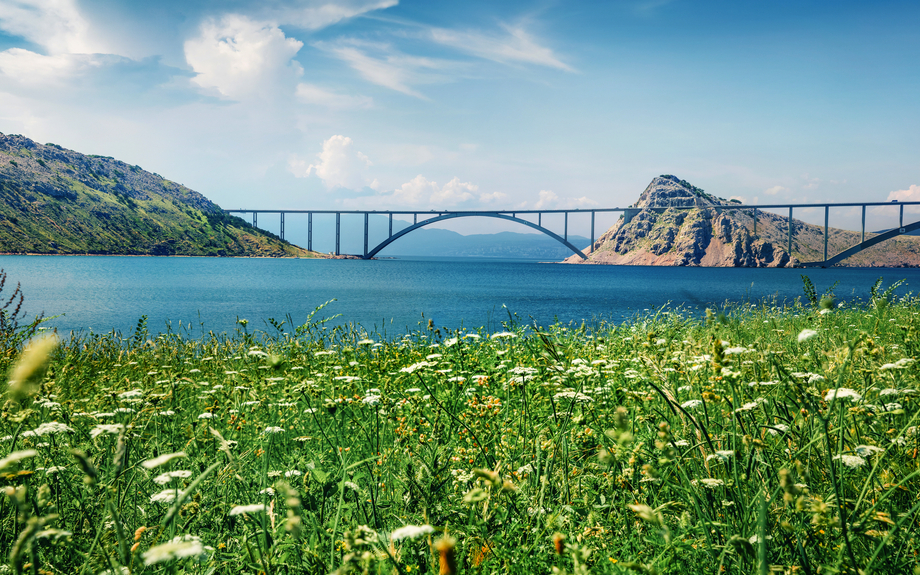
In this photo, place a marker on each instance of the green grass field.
(769, 439)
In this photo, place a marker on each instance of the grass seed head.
(447, 560)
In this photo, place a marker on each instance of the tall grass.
(766, 439)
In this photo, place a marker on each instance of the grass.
(769, 439)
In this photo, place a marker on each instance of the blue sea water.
(388, 296)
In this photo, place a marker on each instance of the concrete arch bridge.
(421, 219)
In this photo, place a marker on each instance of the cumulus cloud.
(56, 25)
(548, 199)
(775, 190)
(339, 166)
(911, 194)
(238, 57)
(515, 46)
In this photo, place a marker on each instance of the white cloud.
(911, 194)
(31, 68)
(492, 197)
(239, 57)
(422, 193)
(775, 190)
(454, 192)
(381, 64)
(339, 166)
(311, 94)
(322, 14)
(56, 25)
(516, 46)
(548, 199)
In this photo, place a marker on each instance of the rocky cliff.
(657, 233)
(58, 201)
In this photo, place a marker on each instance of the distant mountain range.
(439, 242)
(57, 201)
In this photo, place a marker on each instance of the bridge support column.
(365, 234)
(338, 229)
(540, 219)
(391, 226)
(629, 214)
(862, 237)
(827, 210)
(282, 225)
(414, 219)
(255, 219)
(755, 221)
(310, 231)
(790, 232)
(592, 230)
(566, 232)
(901, 219)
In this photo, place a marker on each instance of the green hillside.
(57, 201)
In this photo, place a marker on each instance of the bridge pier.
(790, 232)
(310, 231)
(827, 210)
(863, 235)
(566, 233)
(755, 221)
(365, 234)
(338, 229)
(592, 230)
(282, 225)
(255, 219)
(391, 226)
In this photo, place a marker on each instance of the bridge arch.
(893, 233)
(453, 215)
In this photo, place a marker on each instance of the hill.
(660, 234)
(58, 201)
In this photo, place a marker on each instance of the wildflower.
(777, 428)
(851, 461)
(50, 428)
(245, 509)
(692, 404)
(902, 363)
(736, 350)
(133, 394)
(366, 342)
(267, 491)
(575, 396)
(165, 478)
(806, 334)
(709, 482)
(451, 341)
(371, 399)
(293, 473)
(257, 353)
(748, 406)
(271, 430)
(415, 367)
(842, 393)
(721, 455)
(165, 496)
(447, 561)
(161, 460)
(113, 428)
(165, 413)
(206, 415)
(867, 450)
(471, 336)
(503, 334)
(54, 469)
(411, 532)
(50, 405)
(176, 548)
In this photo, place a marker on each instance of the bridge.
(423, 218)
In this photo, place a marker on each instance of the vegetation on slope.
(54, 200)
(772, 439)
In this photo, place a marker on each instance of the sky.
(424, 104)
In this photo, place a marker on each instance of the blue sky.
(421, 104)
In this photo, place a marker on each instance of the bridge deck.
(432, 216)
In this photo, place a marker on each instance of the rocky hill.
(57, 201)
(659, 234)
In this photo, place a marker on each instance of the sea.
(391, 297)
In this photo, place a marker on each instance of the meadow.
(769, 437)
